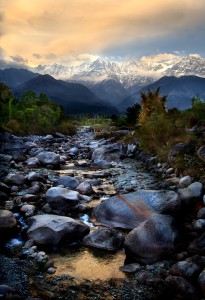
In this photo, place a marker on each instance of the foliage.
(158, 133)
(132, 114)
(151, 102)
(31, 114)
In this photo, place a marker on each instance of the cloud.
(50, 56)
(158, 57)
(36, 55)
(18, 59)
(101, 27)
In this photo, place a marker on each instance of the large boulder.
(61, 200)
(129, 210)
(67, 181)
(49, 158)
(104, 238)
(110, 152)
(152, 239)
(52, 230)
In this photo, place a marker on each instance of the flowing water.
(88, 264)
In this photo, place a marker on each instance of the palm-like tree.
(151, 102)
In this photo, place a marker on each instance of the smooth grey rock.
(73, 150)
(67, 181)
(49, 158)
(104, 238)
(33, 162)
(129, 210)
(61, 199)
(34, 176)
(190, 194)
(85, 188)
(185, 181)
(52, 230)
(130, 268)
(152, 239)
(28, 210)
(15, 179)
(110, 152)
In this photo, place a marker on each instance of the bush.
(66, 128)
(158, 133)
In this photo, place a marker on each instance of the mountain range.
(104, 86)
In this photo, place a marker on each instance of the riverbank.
(94, 186)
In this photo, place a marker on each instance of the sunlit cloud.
(42, 31)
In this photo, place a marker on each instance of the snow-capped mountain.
(129, 74)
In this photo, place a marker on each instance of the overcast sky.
(72, 31)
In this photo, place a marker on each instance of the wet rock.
(33, 162)
(7, 220)
(85, 188)
(131, 268)
(201, 281)
(129, 210)
(49, 158)
(152, 239)
(185, 181)
(28, 210)
(61, 199)
(201, 213)
(104, 238)
(52, 230)
(185, 269)
(110, 152)
(15, 178)
(67, 181)
(181, 287)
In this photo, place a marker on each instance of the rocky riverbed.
(84, 219)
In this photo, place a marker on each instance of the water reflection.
(85, 264)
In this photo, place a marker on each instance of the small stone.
(51, 270)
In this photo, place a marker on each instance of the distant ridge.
(180, 91)
(73, 97)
